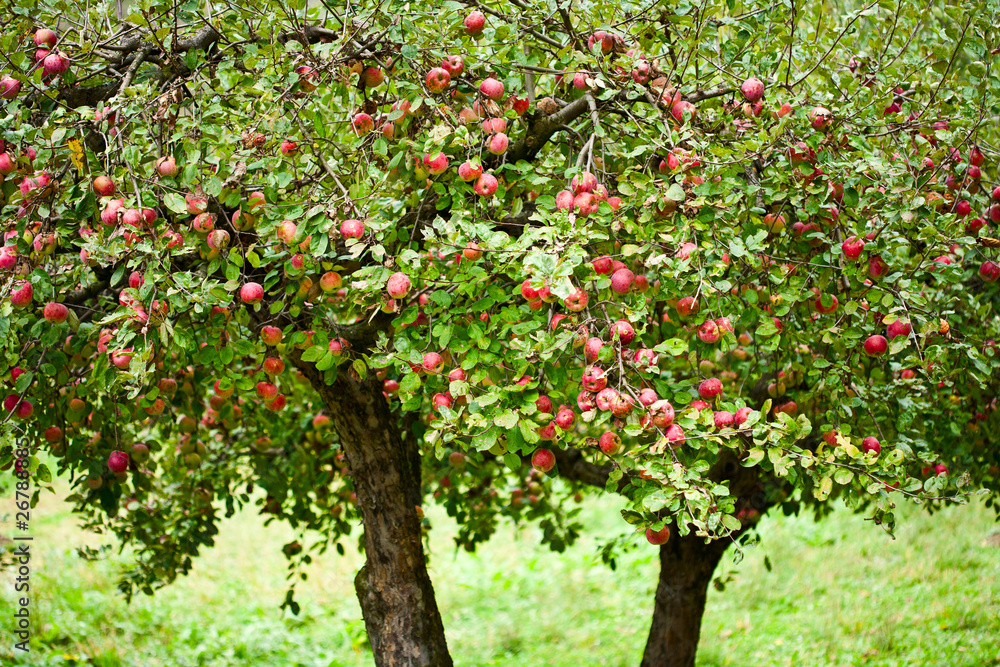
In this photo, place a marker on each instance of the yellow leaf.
(76, 154)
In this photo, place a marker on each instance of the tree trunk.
(686, 567)
(397, 599)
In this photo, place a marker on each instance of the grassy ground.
(841, 593)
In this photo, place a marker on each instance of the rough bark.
(397, 599)
(686, 567)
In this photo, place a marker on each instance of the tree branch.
(541, 129)
(575, 467)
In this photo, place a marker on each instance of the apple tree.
(716, 258)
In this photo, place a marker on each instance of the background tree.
(715, 258)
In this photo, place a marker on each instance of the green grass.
(841, 593)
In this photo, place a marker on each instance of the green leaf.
(23, 382)
(328, 361)
(676, 193)
(213, 186)
(822, 491)
(314, 353)
(843, 476)
(731, 522)
(175, 203)
(507, 420)
(629, 249)
(410, 383)
(515, 440)
(766, 328)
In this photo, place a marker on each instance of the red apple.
(876, 267)
(491, 88)
(606, 41)
(819, 118)
(121, 359)
(741, 416)
(752, 89)
(486, 185)
(436, 164)
(372, 77)
(584, 182)
(271, 335)
(104, 186)
(167, 166)
(876, 346)
(118, 462)
(470, 171)
(45, 37)
(474, 23)
(55, 63)
(577, 301)
(687, 306)
(622, 331)
(565, 200)
(852, 247)
(603, 265)
(109, 216)
(330, 281)
(621, 281)
(438, 80)
(609, 443)
(252, 293)
(307, 78)
(820, 308)
(21, 294)
(658, 537)
(498, 144)
(398, 285)
(9, 87)
(543, 460)
(494, 125)
(433, 363)
(195, 204)
(989, 271)
(56, 313)
(266, 391)
(594, 379)
(710, 388)
(362, 124)
(709, 332)
(723, 419)
(453, 65)
(352, 229)
(898, 328)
